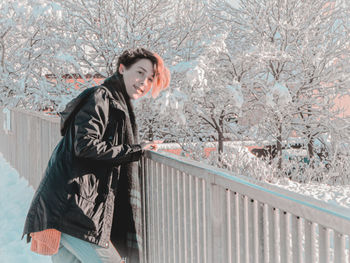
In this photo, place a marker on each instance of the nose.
(144, 81)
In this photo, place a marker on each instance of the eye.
(150, 80)
(140, 72)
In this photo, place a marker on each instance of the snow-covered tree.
(30, 50)
(11, 17)
(100, 30)
(58, 44)
(183, 40)
(300, 53)
(213, 96)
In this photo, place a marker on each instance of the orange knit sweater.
(46, 242)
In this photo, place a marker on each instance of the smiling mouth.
(139, 90)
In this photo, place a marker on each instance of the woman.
(87, 206)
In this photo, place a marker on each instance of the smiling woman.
(87, 206)
(138, 78)
(141, 64)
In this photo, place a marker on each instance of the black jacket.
(77, 193)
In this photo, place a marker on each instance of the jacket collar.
(115, 84)
(121, 100)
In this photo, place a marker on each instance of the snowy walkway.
(15, 198)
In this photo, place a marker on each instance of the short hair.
(161, 78)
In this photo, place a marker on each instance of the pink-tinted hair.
(161, 78)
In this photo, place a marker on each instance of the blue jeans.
(75, 250)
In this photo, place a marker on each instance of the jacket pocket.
(86, 187)
(80, 214)
(81, 203)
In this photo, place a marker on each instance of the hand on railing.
(150, 145)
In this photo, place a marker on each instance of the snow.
(279, 95)
(333, 194)
(66, 57)
(196, 75)
(237, 95)
(183, 66)
(15, 198)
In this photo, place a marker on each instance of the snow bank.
(15, 198)
(332, 194)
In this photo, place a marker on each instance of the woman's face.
(138, 78)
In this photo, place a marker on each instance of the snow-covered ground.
(332, 194)
(15, 198)
(16, 195)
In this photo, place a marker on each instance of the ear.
(121, 69)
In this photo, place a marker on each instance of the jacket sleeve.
(89, 126)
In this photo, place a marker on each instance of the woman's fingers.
(147, 145)
(154, 147)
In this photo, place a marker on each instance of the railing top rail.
(326, 214)
(42, 115)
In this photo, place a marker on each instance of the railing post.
(217, 208)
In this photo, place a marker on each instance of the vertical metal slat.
(339, 248)
(266, 234)
(218, 218)
(310, 241)
(177, 222)
(324, 245)
(261, 243)
(246, 228)
(182, 219)
(166, 208)
(208, 254)
(285, 237)
(297, 239)
(144, 207)
(171, 214)
(199, 223)
(190, 221)
(229, 225)
(153, 222)
(158, 214)
(237, 227)
(276, 231)
(256, 232)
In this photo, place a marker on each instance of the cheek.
(131, 82)
(148, 88)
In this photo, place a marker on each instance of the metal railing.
(197, 213)
(27, 140)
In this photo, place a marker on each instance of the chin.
(135, 97)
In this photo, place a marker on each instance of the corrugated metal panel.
(212, 216)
